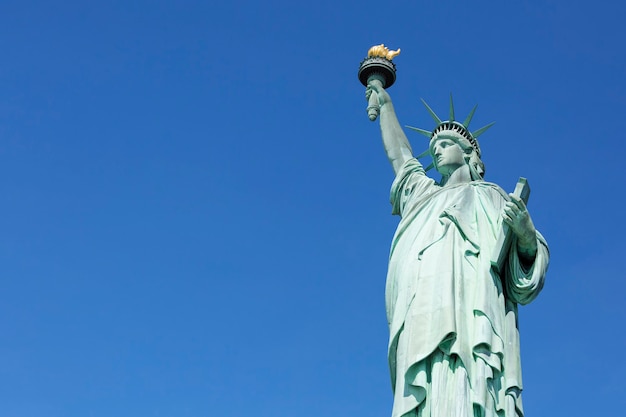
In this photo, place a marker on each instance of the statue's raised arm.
(377, 72)
(395, 141)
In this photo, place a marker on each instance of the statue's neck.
(460, 175)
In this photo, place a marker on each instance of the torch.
(377, 68)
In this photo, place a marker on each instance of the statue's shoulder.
(491, 188)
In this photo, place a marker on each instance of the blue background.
(195, 213)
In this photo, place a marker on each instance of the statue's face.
(447, 155)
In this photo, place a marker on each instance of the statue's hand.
(375, 86)
(516, 215)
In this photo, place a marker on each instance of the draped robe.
(454, 341)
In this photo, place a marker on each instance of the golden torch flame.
(383, 52)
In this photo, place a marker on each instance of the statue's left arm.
(529, 257)
(516, 215)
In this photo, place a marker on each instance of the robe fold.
(454, 342)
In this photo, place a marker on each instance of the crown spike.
(469, 117)
(429, 167)
(432, 113)
(451, 109)
(426, 133)
(482, 130)
(423, 154)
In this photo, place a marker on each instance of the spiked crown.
(454, 126)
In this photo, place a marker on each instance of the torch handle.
(372, 106)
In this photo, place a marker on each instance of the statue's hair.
(477, 167)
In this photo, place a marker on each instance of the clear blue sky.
(195, 207)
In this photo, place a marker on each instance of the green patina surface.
(455, 280)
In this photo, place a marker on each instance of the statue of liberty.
(454, 341)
